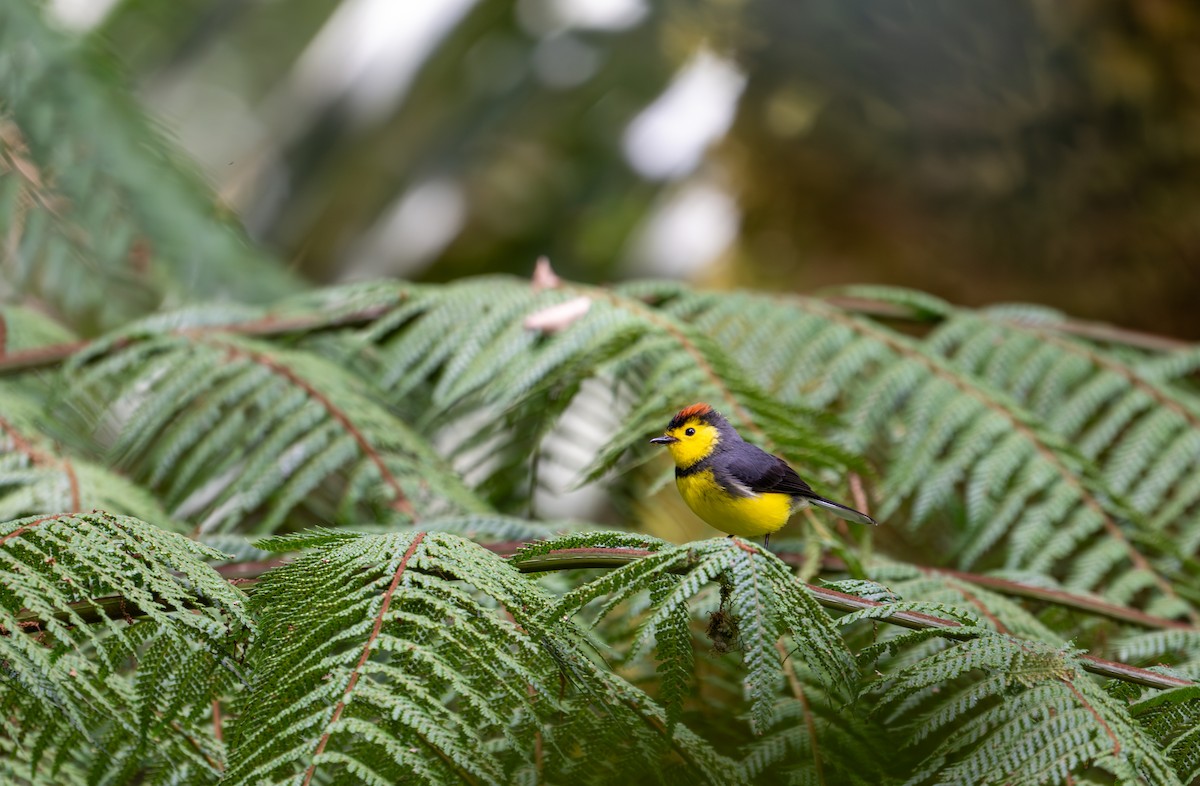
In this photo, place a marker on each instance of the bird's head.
(694, 433)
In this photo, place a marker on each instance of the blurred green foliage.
(986, 151)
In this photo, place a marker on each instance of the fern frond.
(423, 655)
(68, 683)
(1142, 430)
(235, 434)
(993, 709)
(478, 348)
(941, 429)
(815, 741)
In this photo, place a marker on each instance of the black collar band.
(699, 466)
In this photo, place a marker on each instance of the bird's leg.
(766, 540)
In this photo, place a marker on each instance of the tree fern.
(171, 398)
(394, 628)
(1027, 490)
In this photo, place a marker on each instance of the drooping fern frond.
(81, 673)
(102, 219)
(1142, 430)
(384, 658)
(237, 434)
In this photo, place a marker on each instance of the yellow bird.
(734, 486)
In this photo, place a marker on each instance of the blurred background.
(1034, 150)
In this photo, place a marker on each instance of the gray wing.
(760, 472)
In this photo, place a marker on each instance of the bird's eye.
(690, 432)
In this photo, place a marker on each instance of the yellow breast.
(747, 517)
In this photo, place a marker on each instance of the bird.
(735, 486)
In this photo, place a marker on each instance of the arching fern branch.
(992, 709)
(1141, 430)
(1124, 409)
(237, 434)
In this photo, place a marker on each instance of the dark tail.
(841, 511)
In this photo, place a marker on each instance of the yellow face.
(694, 440)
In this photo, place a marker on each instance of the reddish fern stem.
(53, 354)
(1095, 714)
(218, 731)
(21, 530)
(366, 653)
(400, 500)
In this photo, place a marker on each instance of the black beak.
(664, 440)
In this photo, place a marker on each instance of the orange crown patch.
(698, 410)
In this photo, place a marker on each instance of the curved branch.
(1093, 331)
(564, 559)
(54, 354)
